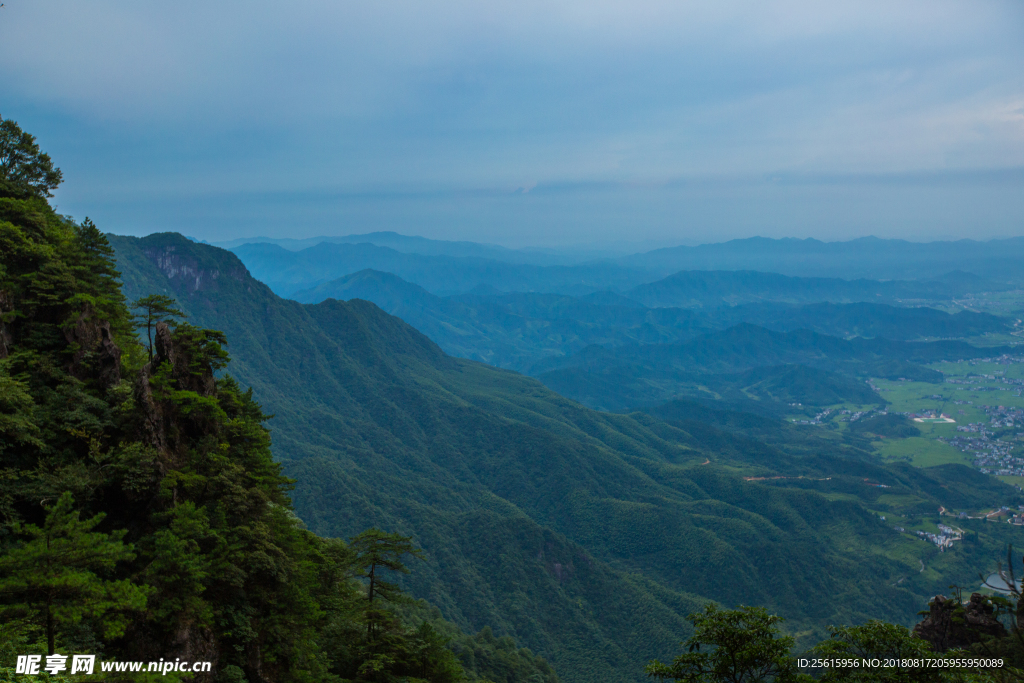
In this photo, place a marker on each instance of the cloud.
(172, 99)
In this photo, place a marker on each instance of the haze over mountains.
(586, 535)
(613, 333)
(456, 267)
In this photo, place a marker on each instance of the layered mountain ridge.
(588, 536)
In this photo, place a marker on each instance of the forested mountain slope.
(517, 330)
(635, 375)
(588, 536)
(514, 330)
(142, 516)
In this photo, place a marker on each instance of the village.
(943, 540)
(990, 454)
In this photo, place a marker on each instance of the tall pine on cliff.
(142, 515)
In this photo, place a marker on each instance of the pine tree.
(155, 308)
(54, 579)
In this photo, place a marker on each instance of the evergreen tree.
(154, 309)
(54, 579)
(376, 552)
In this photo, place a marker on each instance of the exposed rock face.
(97, 356)
(187, 269)
(950, 625)
(163, 425)
(185, 375)
(164, 428)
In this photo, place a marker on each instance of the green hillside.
(513, 330)
(637, 375)
(699, 288)
(864, 319)
(586, 536)
(521, 330)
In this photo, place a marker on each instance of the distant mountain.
(632, 376)
(868, 257)
(513, 330)
(587, 536)
(518, 330)
(702, 289)
(412, 244)
(291, 272)
(445, 268)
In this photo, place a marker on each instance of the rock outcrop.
(95, 355)
(952, 625)
(166, 427)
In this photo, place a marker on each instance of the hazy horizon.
(533, 124)
(622, 247)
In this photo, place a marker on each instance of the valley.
(512, 489)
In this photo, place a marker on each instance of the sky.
(527, 123)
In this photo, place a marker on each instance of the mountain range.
(443, 267)
(585, 535)
(598, 335)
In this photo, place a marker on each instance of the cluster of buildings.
(1001, 416)
(991, 456)
(1013, 384)
(944, 539)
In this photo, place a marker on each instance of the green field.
(1013, 481)
(922, 452)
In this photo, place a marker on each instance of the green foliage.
(53, 578)
(16, 425)
(891, 425)
(877, 640)
(24, 169)
(172, 528)
(732, 646)
(585, 536)
(743, 646)
(153, 309)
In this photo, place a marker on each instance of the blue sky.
(520, 123)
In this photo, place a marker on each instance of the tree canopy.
(24, 169)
